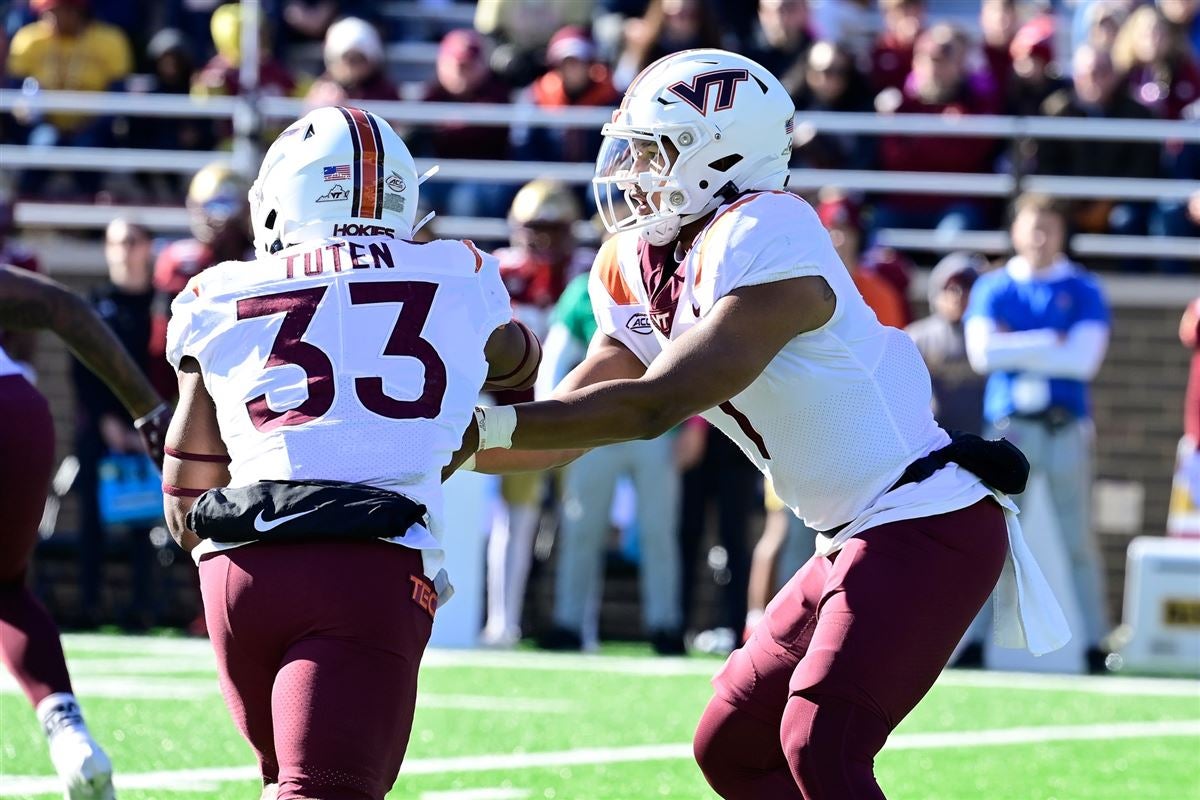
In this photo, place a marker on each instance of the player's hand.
(153, 430)
(470, 444)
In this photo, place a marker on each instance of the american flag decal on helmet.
(366, 196)
(789, 126)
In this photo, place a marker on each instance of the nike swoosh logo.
(262, 525)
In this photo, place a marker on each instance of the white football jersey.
(840, 412)
(356, 360)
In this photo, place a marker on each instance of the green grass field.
(506, 726)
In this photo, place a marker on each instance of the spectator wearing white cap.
(575, 78)
(354, 67)
(957, 388)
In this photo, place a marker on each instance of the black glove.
(153, 429)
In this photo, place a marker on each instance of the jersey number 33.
(289, 348)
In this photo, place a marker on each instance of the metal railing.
(407, 113)
(278, 109)
(174, 220)
(107, 159)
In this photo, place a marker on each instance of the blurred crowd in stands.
(1106, 59)
(657, 504)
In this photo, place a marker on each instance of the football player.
(542, 258)
(217, 216)
(29, 643)
(755, 325)
(326, 384)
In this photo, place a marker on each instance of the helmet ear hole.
(270, 220)
(727, 163)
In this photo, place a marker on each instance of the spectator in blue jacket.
(1038, 328)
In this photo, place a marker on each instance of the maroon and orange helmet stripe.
(366, 196)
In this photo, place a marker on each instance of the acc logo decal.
(695, 94)
(395, 183)
(639, 323)
(336, 192)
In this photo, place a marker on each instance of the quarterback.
(721, 295)
(323, 387)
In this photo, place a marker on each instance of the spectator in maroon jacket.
(1097, 92)
(892, 54)
(939, 84)
(464, 76)
(828, 81)
(999, 22)
(1189, 336)
(782, 37)
(1154, 57)
(575, 78)
(668, 26)
(222, 74)
(1033, 77)
(354, 67)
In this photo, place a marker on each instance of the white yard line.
(499, 793)
(183, 689)
(203, 779)
(1048, 733)
(1094, 684)
(181, 655)
(475, 702)
(142, 665)
(133, 688)
(136, 645)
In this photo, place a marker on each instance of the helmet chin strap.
(662, 233)
(667, 231)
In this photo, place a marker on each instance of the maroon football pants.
(845, 650)
(318, 646)
(29, 644)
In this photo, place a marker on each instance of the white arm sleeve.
(1042, 352)
(561, 352)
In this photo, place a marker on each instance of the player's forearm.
(175, 511)
(104, 355)
(34, 302)
(21, 346)
(504, 462)
(606, 413)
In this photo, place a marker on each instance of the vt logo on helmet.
(696, 93)
(332, 171)
(694, 130)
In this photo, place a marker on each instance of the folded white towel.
(1027, 614)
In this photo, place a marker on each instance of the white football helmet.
(334, 171)
(695, 129)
